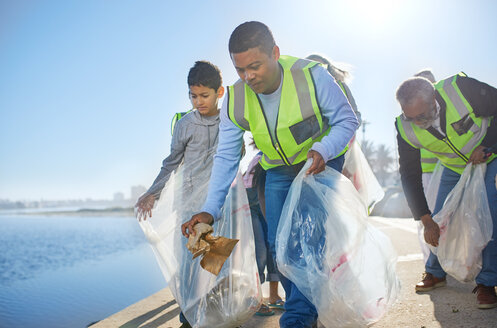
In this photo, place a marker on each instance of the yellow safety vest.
(299, 124)
(428, 161)
(464, 131)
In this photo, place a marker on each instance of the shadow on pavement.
(455, 306)
(136, 322)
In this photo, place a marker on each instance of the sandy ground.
(452, 306)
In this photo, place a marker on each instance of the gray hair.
(337, 70)
(427, 74)
(414, 88)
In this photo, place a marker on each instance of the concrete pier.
(447, 307)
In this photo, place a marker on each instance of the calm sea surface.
(70, 271)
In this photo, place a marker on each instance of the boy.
(195, 133)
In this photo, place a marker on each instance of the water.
(70, 271)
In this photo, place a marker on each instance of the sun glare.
(373, 13)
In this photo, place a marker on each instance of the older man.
(453, 120)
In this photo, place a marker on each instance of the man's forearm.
(411, 178)
(223, 174)
(336, 108)
(225, 165)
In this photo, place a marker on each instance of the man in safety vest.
(454, 119)
(295, 111)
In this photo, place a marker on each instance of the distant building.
(7, 204)
(118, 196)
(136, 192)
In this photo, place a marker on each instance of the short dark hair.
(251, 35)
(206, 74)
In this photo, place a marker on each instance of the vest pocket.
(463, 125)
(305, 129)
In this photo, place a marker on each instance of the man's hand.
(318, 163)
(144, 206)
(432, 230)
(202, 217)
(478, 155)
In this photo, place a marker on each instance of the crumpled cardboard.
(215, 250)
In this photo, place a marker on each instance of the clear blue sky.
(88, 88)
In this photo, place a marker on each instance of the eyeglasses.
(422, 118)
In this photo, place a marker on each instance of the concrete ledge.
(158, 310)
(161, 311)
(447, 307)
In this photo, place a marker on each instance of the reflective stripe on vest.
(299, 123)
(453, 150)
(428, 161)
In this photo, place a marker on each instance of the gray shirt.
(271, 104)
(193, 135)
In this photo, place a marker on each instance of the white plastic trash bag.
(338, 260)
(433, 185)
(206, 300)
(357, 169)
(465, 225)
(431, 192)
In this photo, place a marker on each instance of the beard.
(426, 125)
(434, 114)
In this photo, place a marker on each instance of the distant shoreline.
(114, 211)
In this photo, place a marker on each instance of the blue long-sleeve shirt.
(334, 106)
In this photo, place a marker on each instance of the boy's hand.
(318, 163)
(144, 206)
(202, 217)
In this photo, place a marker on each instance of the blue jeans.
(300, 312)
(182, 318)
(488, 273)
(262, 253)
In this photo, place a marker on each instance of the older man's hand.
(432, 230)
(202, 217)
(478, 155)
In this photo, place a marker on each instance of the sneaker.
(485, 296)
(430, 282)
